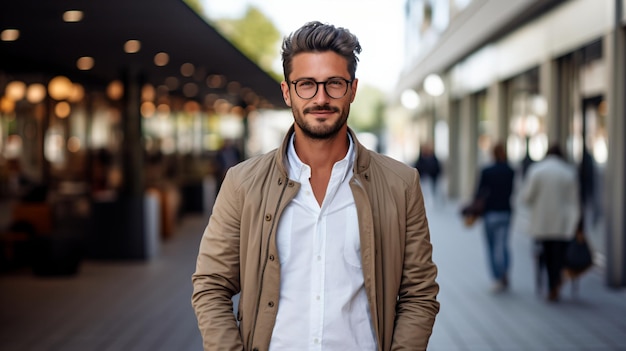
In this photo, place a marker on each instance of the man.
(551, 192)
(327, 242)
(428, 166)
(495, 188)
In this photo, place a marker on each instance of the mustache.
(321, 108)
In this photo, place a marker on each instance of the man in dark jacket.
(495, 187)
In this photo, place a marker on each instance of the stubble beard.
(321, 132)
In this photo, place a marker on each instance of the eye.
(336, 83)
(305, 84)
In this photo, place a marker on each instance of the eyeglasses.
(336, 88)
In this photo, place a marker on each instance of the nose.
(321, 95)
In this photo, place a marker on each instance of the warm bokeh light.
(85, 63)
(191, 107)
(62, 109)
(163, 109)
(115, 90)
(9, 35)
(35, 93)
(148, 93)
(161, 59)
(73, 16)
(132, 46)
(73, 144)
(215, 81)
(15, 90)
(6, 105)
(60, 88)
(77, 93)
(187, 69)
(148, 109)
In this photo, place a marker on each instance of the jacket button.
(255, 349)
(271, 257)
(271, 303)
(291, 184)
(280, 181)
(268, 217)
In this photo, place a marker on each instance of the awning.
(48, 45)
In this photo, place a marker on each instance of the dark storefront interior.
(110, 124)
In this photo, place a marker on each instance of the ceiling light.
(15, 90)
(132, 46)
(35, 93)
(60, 88)
(62, 109)
(115, 90)
(9, 35)
(73, 16)
(161, 59)
(85, 63)
(77, 93)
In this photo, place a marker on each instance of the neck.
(321, 153)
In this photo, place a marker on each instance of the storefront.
(116, 111)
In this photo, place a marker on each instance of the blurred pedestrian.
(326, 242)
(494, 190)
(551, 192)
(429, 168)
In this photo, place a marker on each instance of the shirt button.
(316, 340)
(319, 258)
(317, 297)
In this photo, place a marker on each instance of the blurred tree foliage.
(256, 36)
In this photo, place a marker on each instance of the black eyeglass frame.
(317, 86)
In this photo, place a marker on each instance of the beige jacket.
(238, 253)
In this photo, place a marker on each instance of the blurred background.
(119, 118)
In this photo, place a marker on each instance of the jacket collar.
(361, 157)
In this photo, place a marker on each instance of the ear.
(355, 85)
(286, 96)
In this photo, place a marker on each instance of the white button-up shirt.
(323, 304)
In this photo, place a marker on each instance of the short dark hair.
(499, 152)
(555, 150)
(319, 37)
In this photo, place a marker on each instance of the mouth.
(321, 111)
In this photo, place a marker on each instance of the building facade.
(527, 73)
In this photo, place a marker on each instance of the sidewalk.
(474, 318)
(145, 306)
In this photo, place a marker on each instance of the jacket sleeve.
(417, 303)
(216, 278)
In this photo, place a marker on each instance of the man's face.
(320, 117)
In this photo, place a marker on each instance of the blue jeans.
(497, 224)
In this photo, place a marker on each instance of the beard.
(321, 132)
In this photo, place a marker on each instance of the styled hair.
(318, 37)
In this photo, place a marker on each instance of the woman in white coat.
(551, 192)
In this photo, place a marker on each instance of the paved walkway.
(146, 305)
